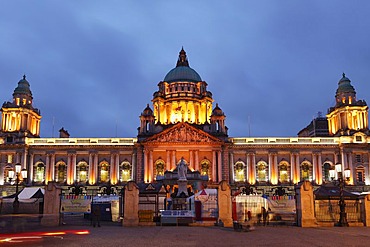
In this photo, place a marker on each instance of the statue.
(182, 169)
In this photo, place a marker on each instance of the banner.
(75, 204)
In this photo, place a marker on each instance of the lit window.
(262, 171)
(104, 173)
(39, 173)
(283, 173)
(10, 158)
(239, 171)
(125, 171)
(82, 169)
(204, 168)
(61, 172)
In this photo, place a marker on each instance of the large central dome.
(182, 72)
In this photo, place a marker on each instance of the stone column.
(52, 167)
(91, 169)
(131, 205)
(314, 167)
(196, 160)
(231, 165)
(116, 174)
(219, 166)
(145, 166)
(151, 172)
(96, 167)
(350, 166)
(47, 168)
(305, 205)
(51, 216)
(173, 165)
(133, 167)
(214, 166)
(30, 169)
(168, 160)
(224, 204)
(319, 167)
(113, 168)
(191, 163)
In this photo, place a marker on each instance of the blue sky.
(94, 65)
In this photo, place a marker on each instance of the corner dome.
(217, 111)
(147, 111)
(182, 71)
(344, 85)
(23, 87)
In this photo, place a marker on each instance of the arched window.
(39, 171)
(284, 171)
(159, 168)
(240, 171)
(262, 171)
(7, 179)
(306, 171)
(82, 172)
(60, 172)
(204, 168)
(125, 171)
(104, 172)
(326, 167)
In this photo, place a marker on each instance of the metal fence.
(329, 211)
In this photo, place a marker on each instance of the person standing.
(96, 215)
(264, 215)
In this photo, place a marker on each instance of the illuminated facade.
(185, 123)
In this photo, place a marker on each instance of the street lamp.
(19, 172)
(342, 205)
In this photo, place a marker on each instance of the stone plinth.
(182, 183)
(305, 205)
(224, 204)
(131, 204)
(366, 209)
(51, 216)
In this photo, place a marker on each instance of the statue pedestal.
(182, 183)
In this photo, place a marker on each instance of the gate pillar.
(366, 209)
(131, 205)
(224, 204)
(305, 205)
(51, 216)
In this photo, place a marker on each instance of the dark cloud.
(271, 66)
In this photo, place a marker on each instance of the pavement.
(113, 235)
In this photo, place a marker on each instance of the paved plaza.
(207, 236)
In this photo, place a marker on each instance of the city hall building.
(184, 123)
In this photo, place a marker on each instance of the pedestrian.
(249, 215)
(264, 215)
(96, 215)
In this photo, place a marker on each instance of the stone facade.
(184, 124)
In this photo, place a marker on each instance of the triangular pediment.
(183, 133)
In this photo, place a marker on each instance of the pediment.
(183, 132)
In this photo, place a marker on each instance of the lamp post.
(342, 205)
(19, 172)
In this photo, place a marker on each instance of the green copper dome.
(23, 87)
(344, 85)
(182, 72)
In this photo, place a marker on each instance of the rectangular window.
(358, 139)
(360, 176)
(358, 158)
(9, 159)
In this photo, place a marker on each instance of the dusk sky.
(94, 65)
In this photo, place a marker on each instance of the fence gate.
(329, 211)
(77, 201)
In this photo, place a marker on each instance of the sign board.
(75, 204)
